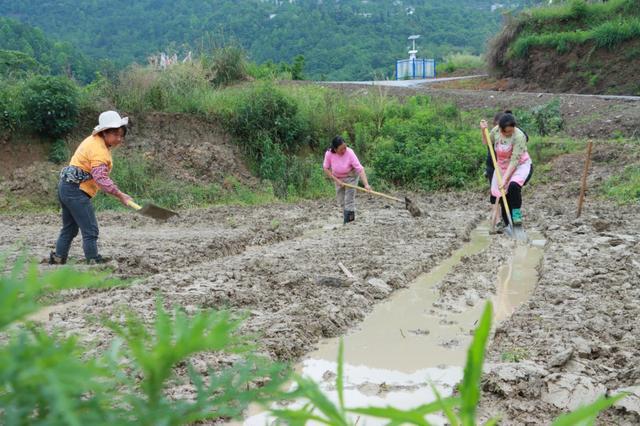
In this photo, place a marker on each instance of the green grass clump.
(624, 188)
(607, 35)
(565, 26)
(514, 355)
(544, 149)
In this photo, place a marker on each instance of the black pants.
(514, 197)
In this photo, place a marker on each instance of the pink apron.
(503, 154)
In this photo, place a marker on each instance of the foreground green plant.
(46, 379)
(459, 410)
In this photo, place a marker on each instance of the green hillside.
(347, 39)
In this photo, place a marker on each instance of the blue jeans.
(77, 213)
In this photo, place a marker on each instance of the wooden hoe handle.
(380, 194)
(498, 175)
(133, 205)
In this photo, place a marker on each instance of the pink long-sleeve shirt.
(100, 175)
(343, 165)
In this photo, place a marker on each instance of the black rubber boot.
(56, 260)
(98, 260)
(350, 216)
(345, 216)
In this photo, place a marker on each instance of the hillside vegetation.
(577, 46)
(350, 39)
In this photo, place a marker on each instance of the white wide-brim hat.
(110, 120)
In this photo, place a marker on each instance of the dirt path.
(584, 116)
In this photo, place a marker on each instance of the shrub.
(427, 150)
(50, 105)
(59, 152)
(265, 111)
(297, 68)
(226, 65)
(542, 120)
(10, 109)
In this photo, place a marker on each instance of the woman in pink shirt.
(342, 166)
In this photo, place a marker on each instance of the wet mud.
(273, 262)
(565, 341)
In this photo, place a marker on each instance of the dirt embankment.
(583, 69)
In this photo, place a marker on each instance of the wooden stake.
(583, 188)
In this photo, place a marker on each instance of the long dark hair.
(335, 143)
(507, 120)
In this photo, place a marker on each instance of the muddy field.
(271, 261)
(575, 338)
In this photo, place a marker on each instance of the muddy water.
(517, 279)
(405, 345)
(404, 334)
(45, 314)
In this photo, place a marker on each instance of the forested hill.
(24, 49)
(340, 39)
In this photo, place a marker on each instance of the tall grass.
(581, 10)
(225, 65)
(460, 61)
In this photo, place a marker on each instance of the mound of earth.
(583, 69)
(190, 148)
